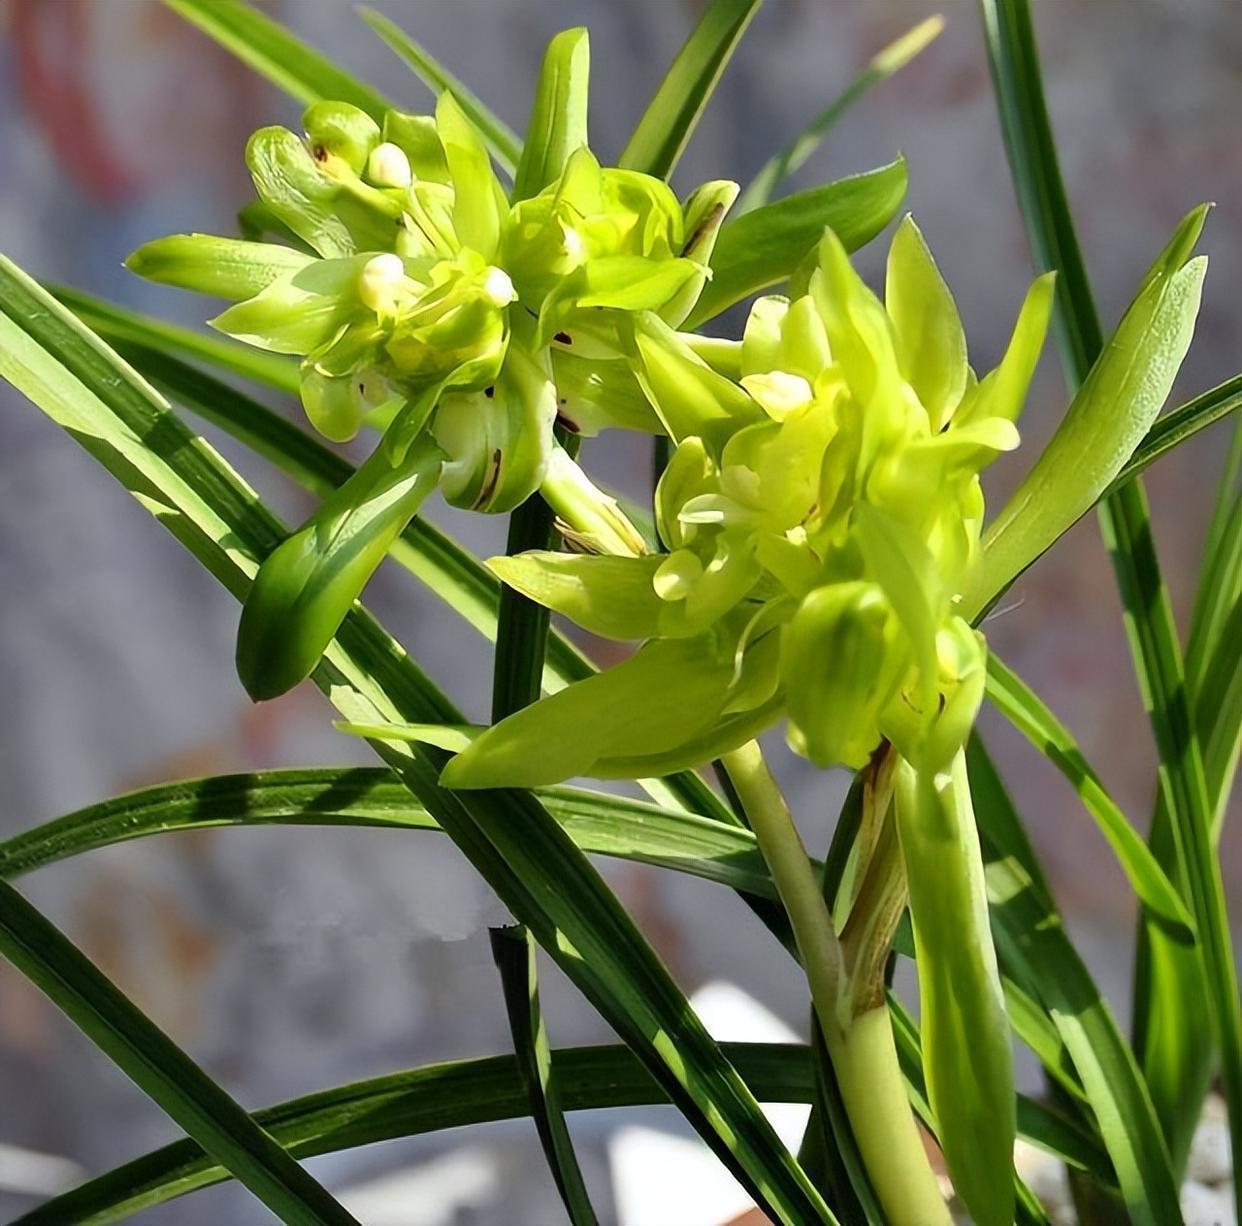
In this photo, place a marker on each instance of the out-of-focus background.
(290, 960)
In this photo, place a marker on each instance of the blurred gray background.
(290, 960)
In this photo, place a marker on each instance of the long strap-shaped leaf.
(513, 949)
(160, 1068)
(280, 56)
(456, 1094)
(1126, 527)
(509, 837)
(598, 823)
(371, 797)
(673, 113)
(1032, 717)
(1034, 950)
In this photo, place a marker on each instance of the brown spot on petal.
(564, 338)
(489, 485)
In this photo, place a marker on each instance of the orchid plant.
(821, 560)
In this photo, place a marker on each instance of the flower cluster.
(422, 300)
(821, 515)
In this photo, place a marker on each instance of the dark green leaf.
(673, 113)
(286, 61)
(1031, 716)
(514, 952)
(353, 796)
(1126, 528)
(452, 1095)
(161, 1069)
(1035, 951)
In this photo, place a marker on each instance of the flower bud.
(842, 663)
(387, 166)
(381, 277)
(337, 130)
(498, 288)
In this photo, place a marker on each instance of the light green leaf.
(159, 1068)
(1028, 713)
(226, 267)
(674, 112)
(1107, 420)
(558, 118)
(270, 49)
(501, 140)
(766, 246)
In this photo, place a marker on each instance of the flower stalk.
(860, 1044)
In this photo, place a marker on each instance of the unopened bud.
(377, 286)
(498, 288)
(389, 167)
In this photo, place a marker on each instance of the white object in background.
(659, 1178)
(29, 1173)
(430, 1194)
(1209, 1160)
(1204, 1206)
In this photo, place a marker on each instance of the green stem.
(861, 1047)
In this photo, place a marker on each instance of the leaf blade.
(512, 841)
(274, 52)
(159, 1068)
(681, 97)
(766, 245)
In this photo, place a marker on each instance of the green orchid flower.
(826, 499)
(428, 303)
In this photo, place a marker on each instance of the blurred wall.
(289, 960)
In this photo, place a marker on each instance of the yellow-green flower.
(821, 515)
